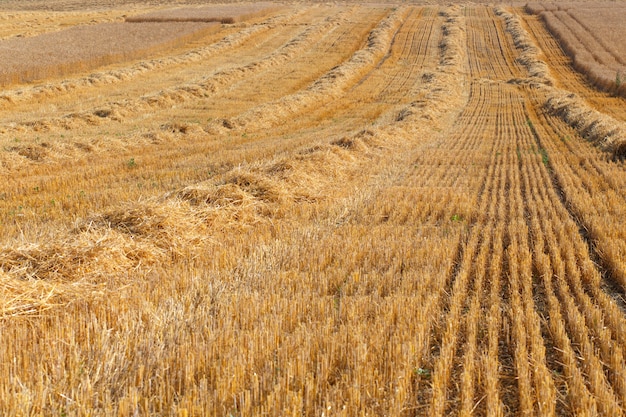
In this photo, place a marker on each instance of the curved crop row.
(600, 129)
(330, 85)
(20, 94)
(588, 55)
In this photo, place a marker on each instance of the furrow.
(330, 86)
(418, 44)
(569, 332)
(578, 398)
(493, 57)
(485, 238)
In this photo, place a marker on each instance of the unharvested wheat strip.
(566, 77)
(576, 15)
(28, 24)
(591, 60)
(36, 58)
(233, 13)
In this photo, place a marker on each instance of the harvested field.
(230, 13)
(349, 209)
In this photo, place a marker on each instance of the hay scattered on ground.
(599, 128)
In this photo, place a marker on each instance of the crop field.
(309, 210)
(592, 35)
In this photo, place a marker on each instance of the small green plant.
(17, 211)
(544, 156)
(423, 372)
(456, 218)
(337, 298)
(131, 163)
(531, 126)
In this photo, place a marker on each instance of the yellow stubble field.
(310, 209)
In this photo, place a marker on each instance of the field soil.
(338, 210)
